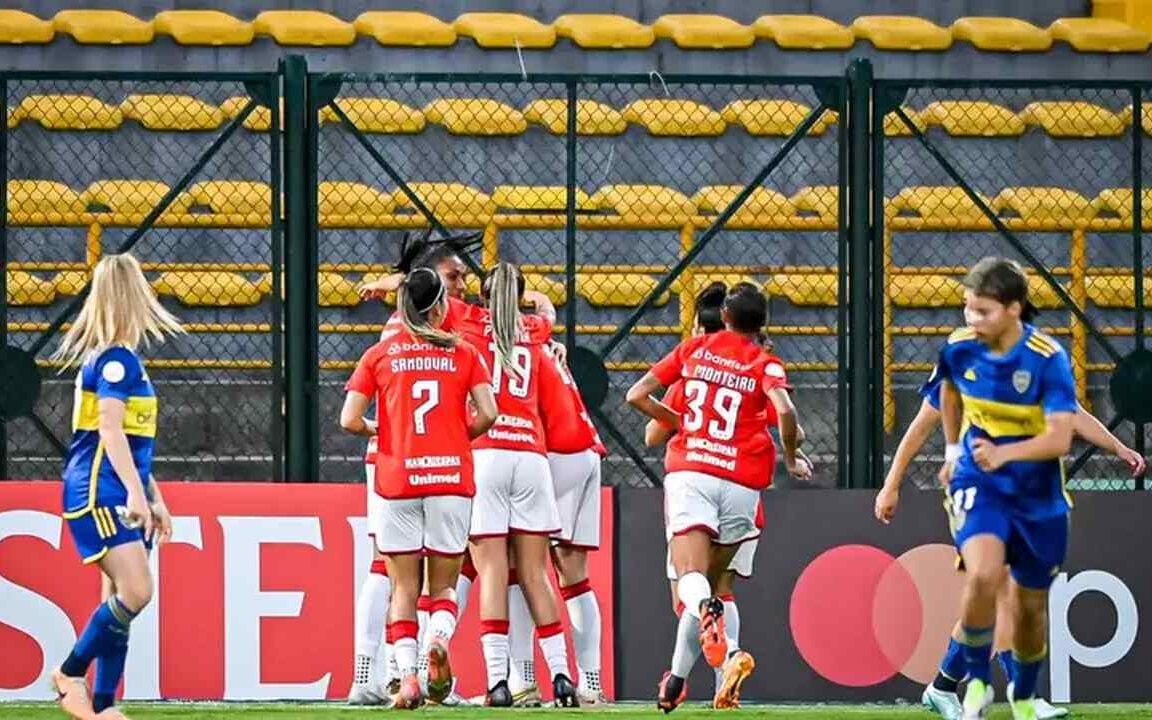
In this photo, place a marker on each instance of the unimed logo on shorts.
(860, 616)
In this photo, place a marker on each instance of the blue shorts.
(99, 530)
(1034, 549)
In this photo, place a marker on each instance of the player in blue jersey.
(107, 475)
(1012, 389)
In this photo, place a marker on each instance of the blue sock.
(101, 636)
(1026, 675)
(952, 667)
(977, 645)
(1007, 665)
(109, 670)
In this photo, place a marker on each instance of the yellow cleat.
(736, 670)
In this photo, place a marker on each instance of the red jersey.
(726, 377)
(421, 393)
(567, 427)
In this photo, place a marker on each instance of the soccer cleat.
(947, 704)
(439, 673)
(736, 671)
(564, 692)
(672, 692)
(1023, 709)
(713, 642)
(499, 695)
(1047, 711)
(365, 695)
(977, 699)
(411, 696)
(73, 695)
(591, 698)
(528, 697)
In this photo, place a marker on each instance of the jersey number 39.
(725, 405)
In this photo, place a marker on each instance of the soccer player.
(716, 461)
(1012, 387)
(108, 469)
(423, 378)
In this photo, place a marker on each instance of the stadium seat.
(1002, 34)
(103, 27)
(925, 291)
(592, 118)
(1073, 118)
(21, 28)
(936, 202)
(172, 112)
(376, 115)
(352, 200)
(405, 28)
(67, 112)
(819, 289)
(475, 116)
(773, 117)
(1117, 291)
(972, 118)
(534, 198)
(1100, 35)
(30, 198)
(203, 27)
(229, 197)
(504, 30)
(645, 204)
(1145, 116)
(208, 288)
(894, 126)
(763, 207)
(71, 282)
(27, 289)
(1042, 294)
(1043, 203)
(803, 32)
(304, 27)
(260, 119)
(1118, 202)
(823, 201)
(902, 32)
(337, 291)
(616, 289)
(675, 118)
(704, 32)
(607, 32)
(700, 280)
(126, 197)
(453, 204)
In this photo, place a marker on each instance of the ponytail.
(504, 293)
(421, 292)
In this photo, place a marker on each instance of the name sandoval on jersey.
(424, 364)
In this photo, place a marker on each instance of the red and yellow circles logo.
(859, 616)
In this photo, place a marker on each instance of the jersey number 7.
(429, 392)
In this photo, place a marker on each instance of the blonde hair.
(121, 309)
(504, 305)
(427, 285)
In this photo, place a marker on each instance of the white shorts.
(722, 508)
(576, 479)
(374, 498)
(741, 564)
(435, 525)
(514, 494)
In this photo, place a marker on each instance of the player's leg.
(521, 652)
(726, 591)
(488, 545)
(738, 533)
(464, 582)
(447, 520)
(942, 694)
(370, 617)
(404, 570)
(1005, 626)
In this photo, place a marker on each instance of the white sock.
(372, 613)
(693, 589)
(441, 627)
(584, 613)
(495, 657)
(520, 632)
(422, 625)
(383, 662)
(732, 625)
(364, 665)
(406, 655)
(687, 645)
(555, 654)
(463, 587)
(393, 667)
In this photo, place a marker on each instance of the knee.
(136, 593)
(984, 581)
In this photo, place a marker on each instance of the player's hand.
(381, 287)
(987, 454)
(946, 472)
(799, 469)
(559, 350)
(139, 514)
(163, 520)
(887, 500)
(1135, 461)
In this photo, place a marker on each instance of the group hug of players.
(482, 446)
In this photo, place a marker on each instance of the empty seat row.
(589, 31)
(662, 117)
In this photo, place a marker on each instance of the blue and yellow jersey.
(89, 480)
(930, 390)
(1006, 398)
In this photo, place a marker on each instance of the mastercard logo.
(860, 616)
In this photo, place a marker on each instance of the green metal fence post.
(1138, 243)
(570, 222)
(860, 371)
(3, 259)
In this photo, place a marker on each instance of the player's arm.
(484, 409)
(542, 304)
(352, 415)
(1089, 427)
(656, 434)
(160, 513)
(380, 287)
(119, 453)
(640, 397)
(787, 423)
(910, 445)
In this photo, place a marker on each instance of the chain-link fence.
(1041, 173)
(184, 173)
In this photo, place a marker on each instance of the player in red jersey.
(716, 461)
(425, 378)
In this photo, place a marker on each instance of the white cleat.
(591, 698)
(946, 704)
(1046, 710)
(977, 699)
(366, 695)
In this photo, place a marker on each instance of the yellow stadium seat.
(1073, 118)
(229, 197)
(68, 112)
(803, 32)
(1117, 291)
(304, 27)
(554, 289)
(675, 118)
(453, 204)
(763, 206)
(707, 32)
(71, 282)
(172, 112)
(208, 288)
(925, 291)
(1145, 116)
(1042, 294)
(203, 27)
(21, 28)
(819, 289)
(27, 289)
(260, 119)
(1100, 35)
(608, 32)
(1043, 203)
(901, 32)
(823, 201)
(129, 197)
(773, 117)
(337, 291)
(505, 30)
(377, 115)
(1003, 34)
(616, 289)
(895, 127)
(701, 280)
(936, 202)
(536, 197)
(103, 27)
(353, 199)
(1118, 202)
(646, 204)
(972, 118)
(592, 118)
(42, 197)
(405, 28)
(475, 116)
